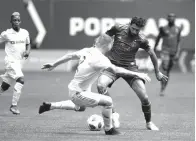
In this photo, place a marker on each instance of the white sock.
(115, 119)
(107, 117)
(16, 94)
(67, 105)
(115, 115)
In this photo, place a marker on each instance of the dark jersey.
(170, 36)
(125, 46)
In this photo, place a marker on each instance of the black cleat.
(44, 107)
(81, 109)
(112, 131)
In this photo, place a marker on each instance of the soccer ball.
(95, 122)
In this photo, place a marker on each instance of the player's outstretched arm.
(178, 42)
(63, 59)
(159, 75)
(157, 40)
(126, 73)
(154, 59)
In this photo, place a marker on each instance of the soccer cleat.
(115, 120)
(14, 110)
(44, 107)
(151, 126)
(112, 131)
(80, 109)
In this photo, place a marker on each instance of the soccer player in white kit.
(17, 48)
(91, 63)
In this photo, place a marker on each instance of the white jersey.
(15, 43)
(91, 63)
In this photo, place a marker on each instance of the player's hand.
(144, 76)
(161, 77)
(48, 66)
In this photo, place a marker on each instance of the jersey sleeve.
(3, 37)
(144, 44)
(112, 31)
(27, 38)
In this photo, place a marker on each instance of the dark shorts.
(129, 79)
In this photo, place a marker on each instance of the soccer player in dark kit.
(170, 47)
(127, 41)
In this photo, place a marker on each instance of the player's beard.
(132, 34)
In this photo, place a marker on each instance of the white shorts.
(85, 98)
(13, 71)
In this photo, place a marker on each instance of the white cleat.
(115, 120)
(14, 109)
(151, 126)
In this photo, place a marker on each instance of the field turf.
(173, 113)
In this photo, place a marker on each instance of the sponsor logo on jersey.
(17, 42)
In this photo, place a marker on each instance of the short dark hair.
(140, 22)
(15, 14)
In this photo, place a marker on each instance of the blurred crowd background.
(60, 26)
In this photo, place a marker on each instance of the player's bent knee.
(20, 80)
(145, 100)
(5, 86)
(101, 88)
(103, 82)
(165, 66)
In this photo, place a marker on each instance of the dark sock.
(147, 112)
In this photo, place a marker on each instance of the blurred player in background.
(170, 47)
(17, 48)
(127, 41)
(91, 63)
